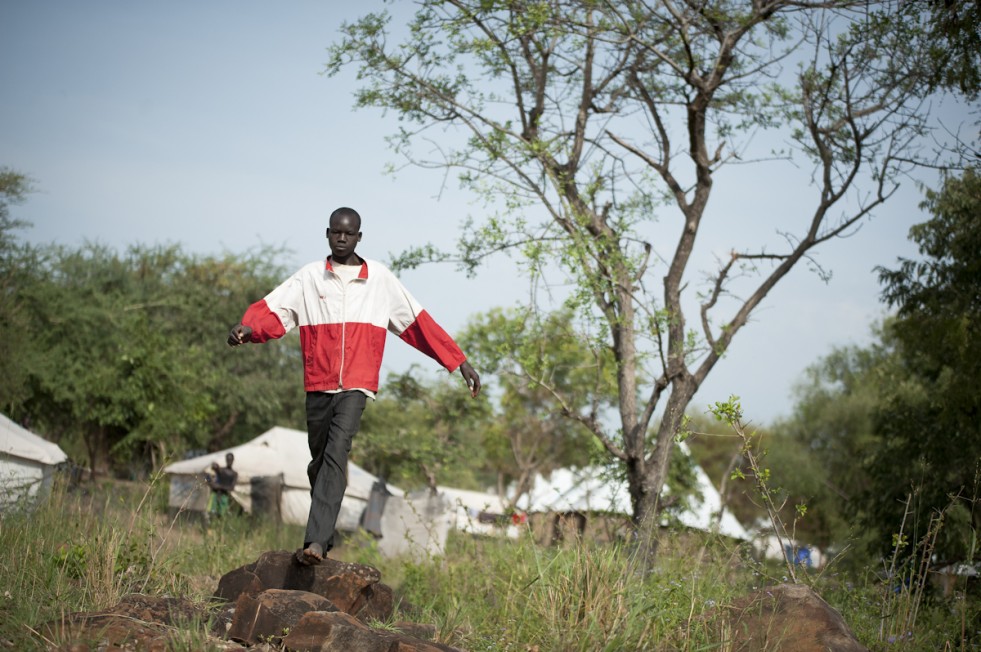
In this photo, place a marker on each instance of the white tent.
(477, 512)
(590, 490)
(27, 464)
(277, 453)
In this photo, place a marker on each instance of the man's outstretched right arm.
(271, 317)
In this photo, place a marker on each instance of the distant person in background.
(211, 477)
(222, 482)
(343, 308)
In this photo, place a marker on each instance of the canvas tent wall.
(27, 465)
(279, 453)
(590, 490)
(478, 512)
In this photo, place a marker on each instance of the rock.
(418, 630)
(221, 621)
(272, 614)
(330, 632)
(379, 606)
(266, 603)
(352, 588)
(237, 582)
(141, 622)
(787, 617)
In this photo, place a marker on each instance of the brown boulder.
(380, 605)
(787, 617)
(271, 614)
(419, 630)
(141, 622)
(352, 588)
(328, 632)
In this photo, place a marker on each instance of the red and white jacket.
(342, 325)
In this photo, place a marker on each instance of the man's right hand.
(239, 334)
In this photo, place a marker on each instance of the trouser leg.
(332, 422)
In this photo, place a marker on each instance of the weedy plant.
(731, 413)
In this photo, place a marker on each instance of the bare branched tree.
(595, 130)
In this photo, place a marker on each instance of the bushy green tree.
(929, 418)
(832, 427)
(595, 131)
(954, 42)
(894, 426)
(17, 263)
(130, 367)
(420, 434)
(552, 386)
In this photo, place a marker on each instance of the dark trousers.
(332, 422)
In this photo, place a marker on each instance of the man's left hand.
(473, 380)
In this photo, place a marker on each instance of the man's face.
(343, 235)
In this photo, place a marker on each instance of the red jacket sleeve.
(429, 337)
(264, 323)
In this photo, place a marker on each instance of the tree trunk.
(97, 445)
(652, 478)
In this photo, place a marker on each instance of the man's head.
(344, 234)
(229, 458)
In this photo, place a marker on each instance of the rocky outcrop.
(320, 631)
(273, 603)
(329, 606)
(352, 588)
(137, 622)
(276, 604)
(272, 614)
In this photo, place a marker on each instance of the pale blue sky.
(209, 124)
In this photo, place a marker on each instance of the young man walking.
(343, 308)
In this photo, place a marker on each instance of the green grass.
(84, 551)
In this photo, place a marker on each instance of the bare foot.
(312, 555)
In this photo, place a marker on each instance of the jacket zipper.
(340, 373)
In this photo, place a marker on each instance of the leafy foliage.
(430, 432)
(955, 44)
(894, 426)
(128, 359)
(930, 418)
(553, 382)
(15, 262)
(833, 427)
(423, 434)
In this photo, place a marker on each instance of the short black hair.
(345, 211)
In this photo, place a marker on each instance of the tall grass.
(516, 595)
(84, 551)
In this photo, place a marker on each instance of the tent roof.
(702, 514)
(476, 501)
(576, 490)
(20, 442)
(278, 450)
(591, 490)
